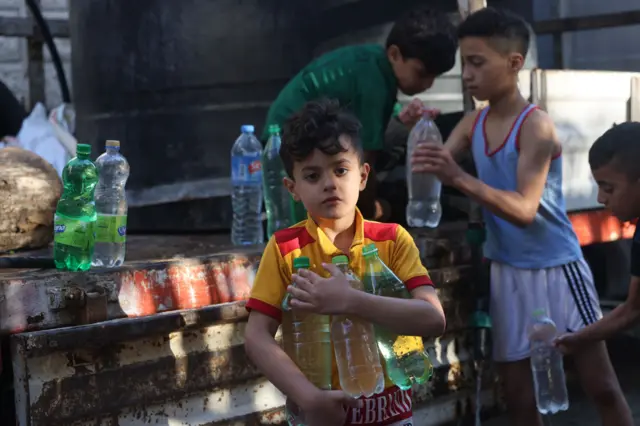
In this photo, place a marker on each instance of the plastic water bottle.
(306, 338)
(405, 358)
(277, 200)
(246, 182)
(354, 343)
(423, 209)
(546, 364)
(111, 206)
(75, 218)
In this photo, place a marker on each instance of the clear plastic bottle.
(75, 218)
(423, 208)
(277, 200)
(547, 366)
(306, 338)
(356, 350)
(111, 206)
(246, 182)
(405, 358)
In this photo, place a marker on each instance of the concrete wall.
(13, 53)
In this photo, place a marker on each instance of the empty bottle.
(111, 206)
(75, 218)
(547, 367)
(405, 358)
(277, 199)
(306, 338)
(355, 346)
(246, 182)
(423, 208)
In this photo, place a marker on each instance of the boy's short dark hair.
(509, 31)
(619, 145)
(318, 125)
(427, 35)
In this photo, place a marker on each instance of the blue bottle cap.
(247, 128)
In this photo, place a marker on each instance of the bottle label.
(111, 228)
(73, 232)
(246, 169)
(392, 407)
(405, 345)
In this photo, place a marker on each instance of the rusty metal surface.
(186, 368)
(179, 370)
(35, 300)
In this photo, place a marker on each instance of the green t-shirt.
(360, 77)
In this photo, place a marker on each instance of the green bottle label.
(73, 232)
(111, 228)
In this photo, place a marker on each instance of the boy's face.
(486, 72)
(329, 185)
(411, 74)
(618, 192)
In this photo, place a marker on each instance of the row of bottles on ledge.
(257, 175)
(90, 224)
(362, 351)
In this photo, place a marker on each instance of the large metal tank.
(174, 81)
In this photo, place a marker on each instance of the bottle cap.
(301, 262)
(112, 144)
(83, 149)
(340, 260)
(369, 250)
(247, 128)
(274, 129)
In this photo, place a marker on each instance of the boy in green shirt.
(365, 80)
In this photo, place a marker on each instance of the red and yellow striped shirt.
(396, 249)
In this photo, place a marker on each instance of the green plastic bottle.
(277, 199)
(405, 358)
(74, 223)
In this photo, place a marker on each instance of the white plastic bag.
(49, 138)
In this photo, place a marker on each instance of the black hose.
(53, 50)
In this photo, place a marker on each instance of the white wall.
(13, 52)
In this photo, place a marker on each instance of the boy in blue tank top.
(536, 260)
(614, 159)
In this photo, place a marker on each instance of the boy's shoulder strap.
(478, 122)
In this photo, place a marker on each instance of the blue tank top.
(547, 242)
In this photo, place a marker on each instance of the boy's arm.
(421, 316)
(269, 288)
(370, 105)
(538, 142)
(622, 317)
(262, 348)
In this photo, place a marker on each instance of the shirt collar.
(326, 244)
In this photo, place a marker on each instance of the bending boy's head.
(421, 46)
(614, 159)
(323, 157)
(493, 44)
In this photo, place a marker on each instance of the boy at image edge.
(614, 160)
(322, 154)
